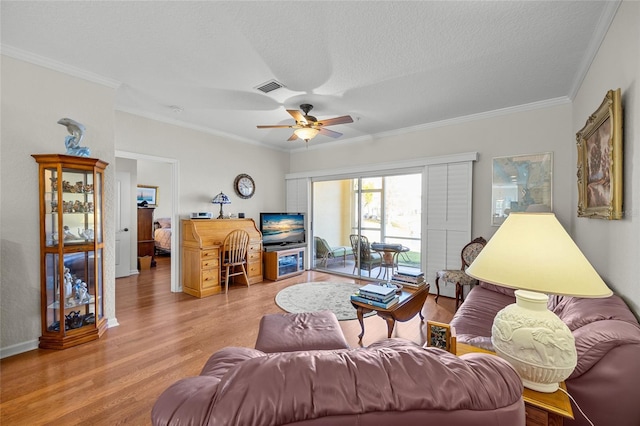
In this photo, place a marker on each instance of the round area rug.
(320, 296)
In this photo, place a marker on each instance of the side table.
(410, 304)
(542, 409)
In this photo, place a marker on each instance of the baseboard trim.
(33, 344)
(18, 348)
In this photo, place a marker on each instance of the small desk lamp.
(221, 199)
(532, 253)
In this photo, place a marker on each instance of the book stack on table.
(377, 295)
(410, 279)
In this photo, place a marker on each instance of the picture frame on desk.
(441, 335)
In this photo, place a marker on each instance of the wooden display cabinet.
(71, 249)
(283, 263)
(146, 243)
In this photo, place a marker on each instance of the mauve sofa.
(606, 381)
(391, 382)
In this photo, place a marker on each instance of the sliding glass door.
(352, 216)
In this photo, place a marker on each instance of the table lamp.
(221, 199)
(532, 253)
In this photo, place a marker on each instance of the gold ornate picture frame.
(599, 173)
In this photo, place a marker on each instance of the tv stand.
(284, 246)
(284, 262)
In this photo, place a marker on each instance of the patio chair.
(325, 252)
(365, 257)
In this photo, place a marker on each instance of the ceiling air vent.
(269, 86)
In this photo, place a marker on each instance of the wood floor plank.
(162, 337)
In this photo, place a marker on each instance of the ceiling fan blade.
(293, 137)
(297, 115)
(338, 120)
(276, 126)
(329, 133)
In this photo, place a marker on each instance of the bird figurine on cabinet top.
(76, 130)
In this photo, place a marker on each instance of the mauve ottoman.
(300, 332)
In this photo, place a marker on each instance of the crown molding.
(183, 124)
(42, 61)
(405, 165)
(443, 123)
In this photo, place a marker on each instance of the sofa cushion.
(473, 320)
(300, 332)
(395, 375)
(596, 339)
(577, 312)
(498, 289)
(189, 399)
(220, 362)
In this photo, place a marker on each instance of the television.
(282, 228)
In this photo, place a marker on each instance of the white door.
(123, 224)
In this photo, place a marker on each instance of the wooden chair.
(458, 276)
(234, 255)
(365, 257)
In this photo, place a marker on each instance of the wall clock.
(244, 185)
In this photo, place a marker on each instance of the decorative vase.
(534, 341)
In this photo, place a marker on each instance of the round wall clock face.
(244, 186)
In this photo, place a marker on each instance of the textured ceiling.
(392, 66)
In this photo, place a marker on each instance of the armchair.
(459, 276)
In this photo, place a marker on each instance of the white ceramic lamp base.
(534, 341)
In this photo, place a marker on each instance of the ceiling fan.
(307, 126)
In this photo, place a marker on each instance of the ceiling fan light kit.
(307, 126)
(306, 133)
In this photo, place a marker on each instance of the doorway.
(170, 199)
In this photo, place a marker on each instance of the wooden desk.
(542, 409)
(201, 249)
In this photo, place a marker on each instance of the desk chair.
(234, 255)
(458, 276)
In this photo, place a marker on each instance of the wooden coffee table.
(410, 304)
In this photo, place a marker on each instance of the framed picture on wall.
(521, 183)
(147, 193)
(600, 161)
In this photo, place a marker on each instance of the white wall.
(33, 100)
(208, 164)
(155, 173)
(613, 246)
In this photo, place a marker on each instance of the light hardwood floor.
(162, 337)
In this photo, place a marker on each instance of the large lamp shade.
(532, 253)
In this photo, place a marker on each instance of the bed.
(162, 235)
